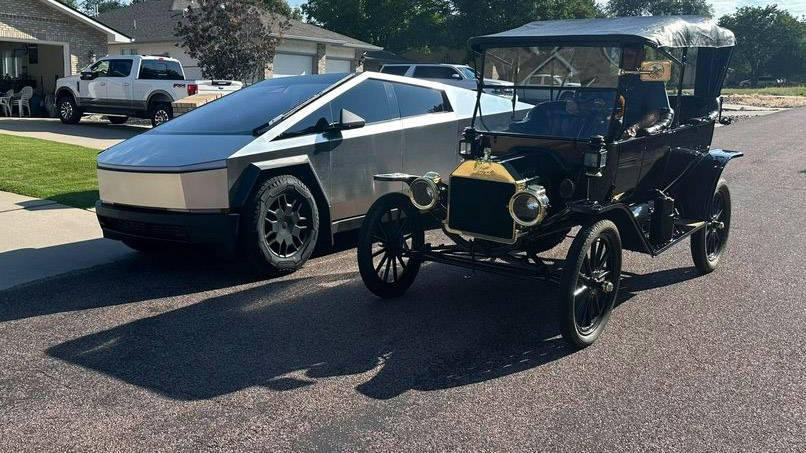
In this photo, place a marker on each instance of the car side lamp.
(469, 144)
(595, 157)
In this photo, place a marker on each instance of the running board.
(682, 229)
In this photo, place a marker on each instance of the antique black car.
(609, 130)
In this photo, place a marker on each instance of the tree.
(232, 39)
(71, 3)
(400, 25)
(621, 8)
(396, 25)
(91, 7)
(479, 17)
(766, 37)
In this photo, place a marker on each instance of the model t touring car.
(609, 130)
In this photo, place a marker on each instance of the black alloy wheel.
(284, 226)
(709, 243)
(391, 230)
(589, 283)
(68, 110)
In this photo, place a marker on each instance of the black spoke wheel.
(284, 226)
(589, 283)
(391, 229)
(709, 243)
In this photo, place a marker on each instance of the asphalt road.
(158, 354)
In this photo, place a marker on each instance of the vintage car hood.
(168, 150)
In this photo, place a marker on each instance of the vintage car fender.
(694, 191)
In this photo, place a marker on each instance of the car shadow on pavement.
(447, 331)
(121, 282)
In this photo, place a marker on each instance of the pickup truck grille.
(479, 207)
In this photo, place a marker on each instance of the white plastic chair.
(25, 95)
(5, 103)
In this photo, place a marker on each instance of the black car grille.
(480, 207)
(145, 229)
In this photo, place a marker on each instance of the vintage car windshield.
(560, 91)
(244, 110)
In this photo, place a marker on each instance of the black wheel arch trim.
(695, 191)
(68, 91)
(632, 238)
(158, 96)
(299, 166)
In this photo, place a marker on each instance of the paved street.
(182, 353)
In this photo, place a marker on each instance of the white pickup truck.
(124, 86)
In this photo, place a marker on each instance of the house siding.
(31, 20)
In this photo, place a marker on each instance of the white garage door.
(336, 66)
(290, 65)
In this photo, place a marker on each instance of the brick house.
(42, 40)
(304, 48)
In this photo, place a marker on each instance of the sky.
(721, 7)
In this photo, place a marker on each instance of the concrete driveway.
(98, 134)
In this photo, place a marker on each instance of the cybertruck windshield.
(565, 92)
(258, 106)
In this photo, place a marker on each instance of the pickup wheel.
(117, 119)
(161, 113)
(283, 226)
(68, 110)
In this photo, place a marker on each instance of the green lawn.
(45, 169)
(799, 90)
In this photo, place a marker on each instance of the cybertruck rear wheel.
(281, 232)
(589, 283)
(390, 230)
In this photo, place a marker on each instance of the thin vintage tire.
(574, 262)
(391, 242)
(259, 248)
(705, 260)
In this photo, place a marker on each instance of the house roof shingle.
(154, 21)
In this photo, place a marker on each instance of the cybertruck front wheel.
(391, 229)
(281, 227)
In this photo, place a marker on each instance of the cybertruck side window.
(369, 100)
(415, 100)
(314, 123)
(396, 70)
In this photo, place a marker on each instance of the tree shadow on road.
(446, 331)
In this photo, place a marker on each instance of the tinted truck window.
(395, 70)
(368, 100)
(413, 100)
(434, 72)
(120, 68)
(161, 70)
